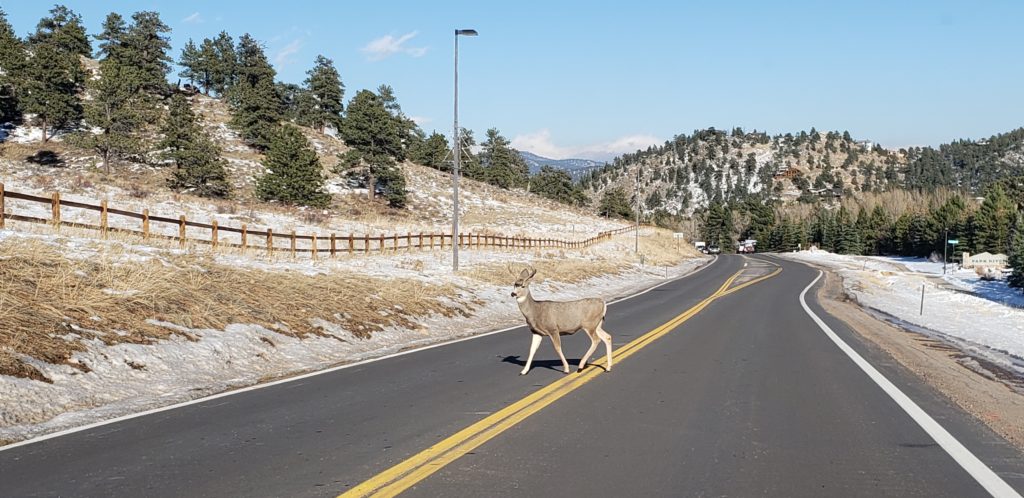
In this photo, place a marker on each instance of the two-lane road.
(720, 390)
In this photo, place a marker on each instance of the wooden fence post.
(56, 209)
(213, 234)
(103, 217)
(334, 247)
(293, 244)
(351, 243)
(245, 232)
(181, 231)
(408, 242)
(442, 240)
(396, 241)
(3, 211)
(421, 237)
(366, 243)
(315, 248)
(270, 242)
(145, 224)
(382, 243)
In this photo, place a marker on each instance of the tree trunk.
(371, 185)
(45, 138)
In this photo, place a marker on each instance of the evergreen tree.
(469, 163)
(615, 203)
(504, 166)
(49, 88)
(118, 108)
(1016, 254)
(298, 103)
(199, 166)
(324, 84)
(410, 132)
(376, 143)
(12, 62)
(557, 185)
(434, 153)
(112, 38)
(294, 174)
(147, 48)
(190, 62)
(993, 222)
(62, 30)
(256, 106)
(222, 60)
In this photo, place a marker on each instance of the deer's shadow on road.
(554, 364)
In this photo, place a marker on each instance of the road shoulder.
(988, 399)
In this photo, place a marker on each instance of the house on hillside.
(865, 144)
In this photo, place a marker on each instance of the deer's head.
(522, 285)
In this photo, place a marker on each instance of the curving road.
(724, 385)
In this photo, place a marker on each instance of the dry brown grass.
(569, 271)
(48, 303)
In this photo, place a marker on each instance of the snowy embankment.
(982, 319)
(126, 378)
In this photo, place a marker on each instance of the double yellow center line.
(393, 481)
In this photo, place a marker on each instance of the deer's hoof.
(523, 372)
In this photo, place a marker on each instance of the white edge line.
(975, 467)
(254, 387)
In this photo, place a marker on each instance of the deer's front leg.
(556, 341)
(534, 344)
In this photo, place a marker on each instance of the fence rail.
(268, 240)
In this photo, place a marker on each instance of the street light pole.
(945, 243)
(636, 232)
(458, 149)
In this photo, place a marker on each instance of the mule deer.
(557, 318)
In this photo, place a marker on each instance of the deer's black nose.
(513, 294)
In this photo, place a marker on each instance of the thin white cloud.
(420, 120)
(387, 45)
(284, 55)
(541, 143)
(195, 18)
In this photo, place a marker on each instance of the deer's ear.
(533, 271)
(525, 274)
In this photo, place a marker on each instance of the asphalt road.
(746, 397)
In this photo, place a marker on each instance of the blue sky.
(593, 79)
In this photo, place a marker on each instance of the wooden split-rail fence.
(274, 242)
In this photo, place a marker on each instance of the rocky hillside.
(691, 171)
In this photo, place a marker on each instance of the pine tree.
(62, 30)
(434, 153)
(199, 167)
(294, 174)
(504, 166)
(223, 63)
(147, 48)
(993, 222)
(12, 60)
(375, 140)
(53, 76)
(614, 202)
(557, 185)
(190, 62)
(256, 105)
(112, 37)
(118, 108)
(324, 84)
(1016, 254)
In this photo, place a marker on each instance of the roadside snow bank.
(976, 324)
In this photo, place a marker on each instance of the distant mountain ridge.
(575, 167)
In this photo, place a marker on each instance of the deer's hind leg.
(556, 341)
(594, 341)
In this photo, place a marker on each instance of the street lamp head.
(466, 32)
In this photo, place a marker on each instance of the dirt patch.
(986, 396)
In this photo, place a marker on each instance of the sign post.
(949, 242)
